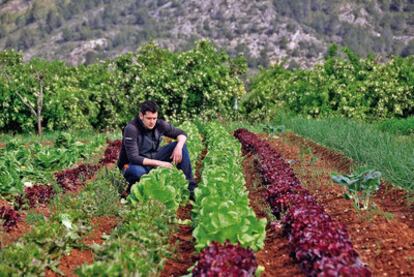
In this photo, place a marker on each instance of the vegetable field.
(265, 205)
(300, 172)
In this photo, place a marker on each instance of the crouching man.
(141, 151)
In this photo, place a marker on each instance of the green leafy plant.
(138, 246)
(221, 209)
(360, 186)
(168, 186)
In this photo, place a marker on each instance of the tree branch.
(32, 110)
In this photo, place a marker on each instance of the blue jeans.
(134, 172)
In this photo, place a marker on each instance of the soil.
(389, 198)
(4, 203)
(43, 210)
(383, 240)
(69, 263)
(275, 254)
(100, 225)
(183, 242)
(22, 228)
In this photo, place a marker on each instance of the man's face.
(149, 119)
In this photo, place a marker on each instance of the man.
(140, 151)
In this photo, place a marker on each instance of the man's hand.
(177, 154)
(165, 164)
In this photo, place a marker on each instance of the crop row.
(25, 165)
(69, 180)
(318, 243)
(225, 226)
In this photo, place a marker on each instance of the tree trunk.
(39, 125)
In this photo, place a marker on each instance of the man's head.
(149, 113)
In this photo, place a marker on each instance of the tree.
(30, 81)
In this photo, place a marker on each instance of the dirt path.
(384, 242)
(275, 254)
(183, 241)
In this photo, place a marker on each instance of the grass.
(397, 126)
(365, 144)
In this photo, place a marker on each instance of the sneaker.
(191, 188)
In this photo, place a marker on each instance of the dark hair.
(149, 106)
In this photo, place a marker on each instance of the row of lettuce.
(318, 243)
(222, 213)
(28, 164)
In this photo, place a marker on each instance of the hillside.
(297, 32)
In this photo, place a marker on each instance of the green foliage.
(351, 87)
(100, 197)
(194, 141)
(54, 236)
(222, 211)
(390, 154)
(360, 186)
(202, 81)
(138, 246)
(63, 95)
(26, 165)
(41, 248)
(167, 186)
(397, 126)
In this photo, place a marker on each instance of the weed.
(33, 218)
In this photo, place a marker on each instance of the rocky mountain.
(296, 32)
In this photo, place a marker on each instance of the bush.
(351, 87)
(397, 126)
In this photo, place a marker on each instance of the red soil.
(22, 228)
(100, 225)
(68, 264)
(44, 210)
(183, 242)
(386, 244)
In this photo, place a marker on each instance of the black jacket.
(139, 142)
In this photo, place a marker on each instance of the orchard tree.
(30, 83)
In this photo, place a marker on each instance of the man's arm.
(156, 163)
(177, 154)
(131, 147)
